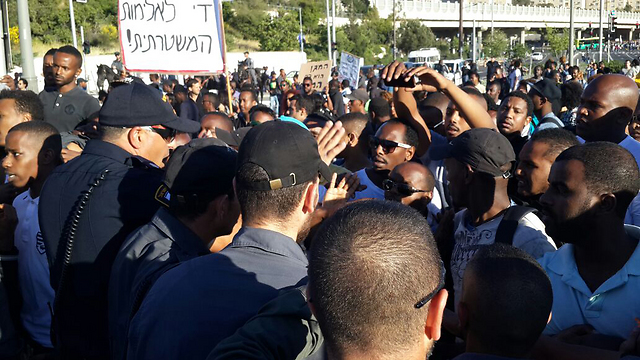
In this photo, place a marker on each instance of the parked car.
(537, 56)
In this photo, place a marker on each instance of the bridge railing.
(437, 10)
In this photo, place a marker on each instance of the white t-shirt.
(529, 236)
(371, 192)
(33, 271)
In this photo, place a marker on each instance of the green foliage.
(521, 2)
(627, 7)
(279, 33)
(519, 51)
(615, 66)
(356, 6)
(246, 17)
(558, 41)
(496, 44)
(412, 35)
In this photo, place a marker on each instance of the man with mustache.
(595, 276)
(67, 105)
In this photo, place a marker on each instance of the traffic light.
(612, 24)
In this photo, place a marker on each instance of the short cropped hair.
(410, 134)
(45, 133)
(369, 265)
(248, 89)
(261, 109)
(304, 102)
(50, 52)
(523, 96)
(558, 141)
(608, 168)
(509, 298)
(26, 102)
(68, 49)
(214, 98)
(380, 108)
(190, 83)
(256, 205)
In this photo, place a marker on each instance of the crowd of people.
(405, 217)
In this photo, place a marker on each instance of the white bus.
(424, 55)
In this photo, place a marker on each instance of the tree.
(518, 51)
(278, 34)
(558, 41)
(521, 2)
(356, 6)
(412, 35)
(496, 44)
(628, 8)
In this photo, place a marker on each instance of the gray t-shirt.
(65, 111)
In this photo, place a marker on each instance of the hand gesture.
(395, 70)
(338, 194)
(430, 79)
(8, 80)
(330, 142)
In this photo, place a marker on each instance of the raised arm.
(407, 108)
(431, 80)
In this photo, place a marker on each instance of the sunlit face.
(21, 161)
(533, 169)
(9, 117)
(512, 116)
(65, 67)
(454, 122)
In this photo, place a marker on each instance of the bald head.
(418, 175)
(621, 90)
(606, 108)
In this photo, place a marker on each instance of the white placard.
(350, 68)
(171, 36)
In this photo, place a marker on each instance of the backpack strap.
(509, 223)
(551, 120)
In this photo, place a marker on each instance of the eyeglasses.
(166, 133)
(388, 146)
(401, 188)
(307, 84)
(429, 296)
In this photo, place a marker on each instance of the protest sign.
(318, 71)
(171, 36)
(350, 68)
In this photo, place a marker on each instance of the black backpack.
(509, 223)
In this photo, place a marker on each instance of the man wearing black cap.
(116, 65)
(357, 101)
(67, 105)
(544, 94)
(89, 205)
(202, 206)
(277, 187)
(479, 164)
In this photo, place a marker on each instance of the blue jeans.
(274, 103)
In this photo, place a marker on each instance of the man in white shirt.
(33, 151)
(595, 276)
(479, 164)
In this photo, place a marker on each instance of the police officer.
(89, 205)
(116, 65)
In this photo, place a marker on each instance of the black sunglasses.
(429, 296)
(402, 188)
(307, 84)
(167, 134)
(388, 146)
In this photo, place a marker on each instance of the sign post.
(171, 36)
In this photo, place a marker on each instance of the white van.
(424, 55)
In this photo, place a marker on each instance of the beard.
(572, 230)
(304, 230)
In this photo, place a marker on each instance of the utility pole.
(301, 35)
(73, 24)
(395, 47)
(333, 23)
(473, 56)
(461, 30)
(26, 50)
(329, 34)
(492, 17)
(600, 42)
(572, 39)
(3, 64)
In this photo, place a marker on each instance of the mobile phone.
(400, 82)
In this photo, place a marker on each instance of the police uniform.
(87, 208)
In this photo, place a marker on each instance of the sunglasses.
(388, 146)
(166, 133)
(307, 84)
(401, 188)
(422, 302)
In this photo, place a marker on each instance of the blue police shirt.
(123, 201)
(195, 305)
